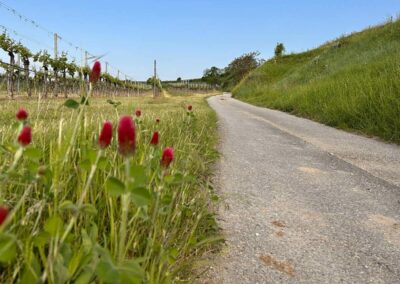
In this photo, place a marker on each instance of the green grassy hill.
(350, 83)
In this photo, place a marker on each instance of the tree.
(239, 68)
(155, 82)
(179, 79)
(212, 76)
(150, 81)
(279, 49)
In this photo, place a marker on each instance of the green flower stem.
(83, 195)
(55, 185)
(125, 200)
(17, 157)
(75, 217)
(74, 134)
(150, 245)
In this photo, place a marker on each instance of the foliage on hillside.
(350, 83)
(231, 75)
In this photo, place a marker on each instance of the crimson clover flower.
(154, 138)
(126, 136)
(105, 135)
(157, 120)
(25, 137)
(138, 112)
(95, 73)
(167, 157)
(189, 107)
(3, 214)
(21, 114)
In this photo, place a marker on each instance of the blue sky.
(187, 36)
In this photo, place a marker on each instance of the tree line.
(228, 77)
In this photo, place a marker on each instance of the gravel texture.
(303, 202)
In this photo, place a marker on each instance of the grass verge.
(168, 223)
(350, 83)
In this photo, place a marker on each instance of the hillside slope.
(350, 83)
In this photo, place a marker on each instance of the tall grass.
(168, 222)
(351, 83)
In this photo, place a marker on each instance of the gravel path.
(303, 202)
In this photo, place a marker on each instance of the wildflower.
(189, 107)
(138, 112)
(105, 135)
(3, 214)
(154, 138)
(126, 135)
(21, 114)
(157, 120)
(95, 74)
(25, 137)
(167, 157)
